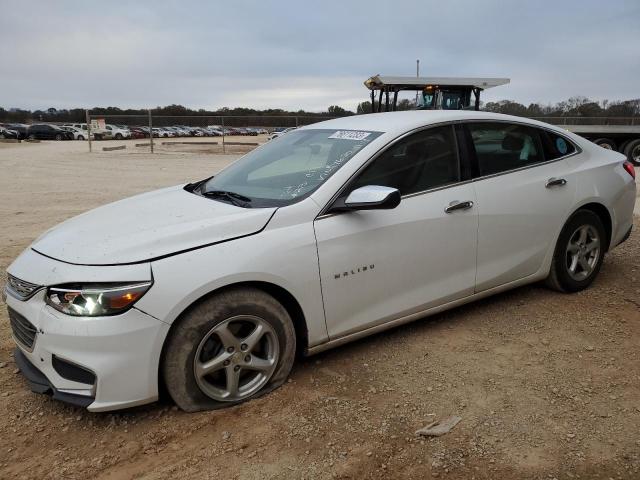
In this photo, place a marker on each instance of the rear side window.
(556, 146)
(500, 146)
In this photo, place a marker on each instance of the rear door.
(379, 265)
(524, 192)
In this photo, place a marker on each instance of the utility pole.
(417, 76)
(88, 120)
(150, 131)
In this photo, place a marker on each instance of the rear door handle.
(456, 205)
(555, 182)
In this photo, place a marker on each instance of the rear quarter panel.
(601, 178)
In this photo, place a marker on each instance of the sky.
(308, 55)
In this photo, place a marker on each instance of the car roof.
(399, 122)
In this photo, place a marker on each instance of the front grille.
(23, 330)
(20, 288)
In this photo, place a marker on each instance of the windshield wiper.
(234, 198)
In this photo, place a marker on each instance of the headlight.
(95, 300)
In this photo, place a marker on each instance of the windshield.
(286, 169)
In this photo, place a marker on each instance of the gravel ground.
(547, 385)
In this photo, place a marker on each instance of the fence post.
(296, 121)
(88, 118)
(150, 131)
(223, 133)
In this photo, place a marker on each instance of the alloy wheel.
(236, 358)
(583, 252)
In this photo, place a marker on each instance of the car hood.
(148, 226)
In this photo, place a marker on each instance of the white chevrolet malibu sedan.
(329, 233)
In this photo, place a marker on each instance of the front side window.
(286, 169)
(500, 147)
(422, 161)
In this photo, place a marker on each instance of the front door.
(379, 265)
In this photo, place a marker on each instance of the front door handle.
(456, 205)
(555, 182)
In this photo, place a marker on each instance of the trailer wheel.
(623, 146)
(605, 143)
(633, 152)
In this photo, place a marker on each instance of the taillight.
(628, 166)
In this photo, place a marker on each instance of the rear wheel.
(80, 137)
(605, 143)
(118, 136)
(234, 346)
(632, 151)
(579, 253)
(31, 137)
(58, 137)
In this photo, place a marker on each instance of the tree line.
(577, 106)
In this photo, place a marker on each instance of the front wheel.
(118, 136)
(80, 137)
(236, 345)
(579, 253)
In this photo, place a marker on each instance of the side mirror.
(373, 197)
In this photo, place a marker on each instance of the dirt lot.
(547, 385)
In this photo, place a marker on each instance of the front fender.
(182, 279)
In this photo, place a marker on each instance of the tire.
(118, 136)
(632, 152)
(215, 329)
(605, 143)
(31, 137)
(80, 137)
(58, 137)
(567, 273)
(623, 146)
(2, 136)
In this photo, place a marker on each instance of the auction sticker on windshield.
(350, 135)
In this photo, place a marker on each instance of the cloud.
(292, 54)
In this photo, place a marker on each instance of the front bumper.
(41, 384)
(122, 352)
(118, 354)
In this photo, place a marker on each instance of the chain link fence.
(189, 134)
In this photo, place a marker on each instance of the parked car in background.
(19, 128)
(43, 131)
(5, 133)
(176, 131)
(162, 132)
(138, 132)
(279, 132)
(78, 134)
(213, 132)
(96, 133)
(117, 132)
